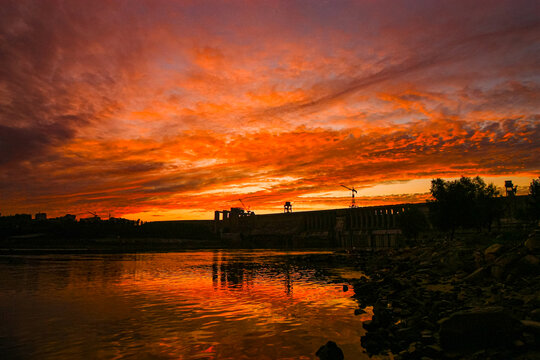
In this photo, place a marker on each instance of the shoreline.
(453, 300)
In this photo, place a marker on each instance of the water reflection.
(228, 272)
(193, 305)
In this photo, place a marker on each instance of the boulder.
(375, 341)
(529, 265)
(492, 252)
(477, 276)
(503, 265)
(408, 334)
(433, 351)
(452, 262)
(532, 328)
(330, 351)
(359, 311)
(478, 328)
(535, 314)
(533, 242)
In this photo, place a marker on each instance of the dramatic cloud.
(171, 109)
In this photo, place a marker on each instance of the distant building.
(41, 216)
(17, 219)
(22, 217)
(69, 217)
(115, 220)
(91, 220)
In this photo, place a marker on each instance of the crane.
(244, 205)
(353, 191)
(94, 217)
(246, 208)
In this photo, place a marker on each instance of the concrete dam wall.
(376, 226)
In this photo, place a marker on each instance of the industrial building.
(354, 227)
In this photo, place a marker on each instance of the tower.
(287, 208)
(510, 188)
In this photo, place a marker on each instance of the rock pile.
(453, 300)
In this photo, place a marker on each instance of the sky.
(159, 110)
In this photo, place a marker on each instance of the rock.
(330, 351)
(519, 343)
(359, 311)
(408, 334)
(492, 252)
(375, 341)
(534, 302)
(531, 331)
(369, 325)
(433, 351)
(427, 337)
(412, 348)
(477, 276)
(453, 262)
(503, 265)
(529, 265)
(497, 272)
(535, 314)
(478, 258)
(531, 260)
(531, 326)
(478, 328)
(533, 242)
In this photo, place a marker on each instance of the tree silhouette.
(464, 203)
(411, 222)
(533, 202)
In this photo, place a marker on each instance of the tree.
(465, 203)
(533, 202)
(412, 222)
(488, 205)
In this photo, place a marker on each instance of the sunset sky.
(172, 109)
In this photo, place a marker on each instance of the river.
(186, 305)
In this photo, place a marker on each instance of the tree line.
(466, 203)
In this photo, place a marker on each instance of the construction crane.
(94, 217)
(353, 191)
(246, 208)
(243, 205)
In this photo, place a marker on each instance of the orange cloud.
(152, 109)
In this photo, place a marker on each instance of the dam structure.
(354, 227)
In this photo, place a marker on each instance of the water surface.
(190, 305)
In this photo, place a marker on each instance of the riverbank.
(452, 300)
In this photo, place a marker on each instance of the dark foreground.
(452, 300)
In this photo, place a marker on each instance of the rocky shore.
(452, 300)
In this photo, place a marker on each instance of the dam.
(358, 227)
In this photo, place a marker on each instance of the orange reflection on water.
(245, 305)
(192, 305)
